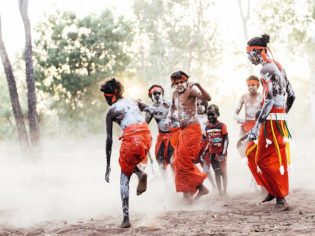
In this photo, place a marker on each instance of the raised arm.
(109, 142)
(171, 111)
(200, 92)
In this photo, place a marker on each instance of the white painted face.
(254, 57)
(157, 95)
(252, 88)
(180, 85)
(200, 107)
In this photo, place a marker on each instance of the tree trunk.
(16, 107)
(245, 19)
(30, 80)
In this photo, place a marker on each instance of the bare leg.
(187, 198)
(206, 170)
(218, 181)
(268, 198)
(225, 181)
(202, 190)
(124, 193)
(211, 180)
(142, 184)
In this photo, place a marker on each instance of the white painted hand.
(239, 120)
(253, 134)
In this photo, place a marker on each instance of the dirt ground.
(240, 214)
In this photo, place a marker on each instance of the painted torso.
(126, 112)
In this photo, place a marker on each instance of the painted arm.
(225, 144)
(203, 95)
(290, 97)
(170, 113)
(109, 143)
(266, 108)
(238, 119)
(144, 107)
(148, 117)
(241, 139)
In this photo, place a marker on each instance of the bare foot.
(125, 223)
(268, 198)
(281, 205)
(187, 198)
(142, 184)
(202, 191)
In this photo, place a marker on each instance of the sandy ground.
(63, 192)
(240, 214)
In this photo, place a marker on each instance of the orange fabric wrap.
(268, 159)
(136, 142)
(248, 125)
(252, 164)
(187, 175)
(163, 138)
(203, 145)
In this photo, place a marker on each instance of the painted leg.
(268, 198)
(124, 193)
(218, 181)
(225, 181)
(142, 184)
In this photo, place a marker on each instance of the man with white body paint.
(271, 130)
(252, 102)
(158, 111)
(188, 178)
(136, 139)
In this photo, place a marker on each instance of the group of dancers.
(190, 132)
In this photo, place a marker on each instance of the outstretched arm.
(109, 143)
(143, 106)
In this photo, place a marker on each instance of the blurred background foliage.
(72, 54)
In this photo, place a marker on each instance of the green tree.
(14, 96)
(29, 72)
(292, 24)
(172, 35)
(73, 53)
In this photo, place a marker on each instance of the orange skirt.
(136, 143)
(272, 158)
(187, 175)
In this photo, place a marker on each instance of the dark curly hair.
(253, 77)
(215, 108)
(112, 85)
(178, 75)
(155, 85)
(259, 41)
